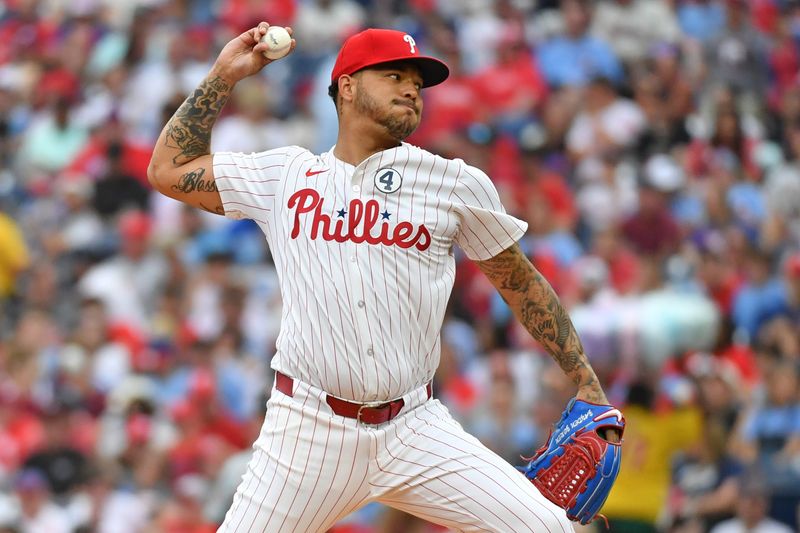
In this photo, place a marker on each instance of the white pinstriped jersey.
(364, 256)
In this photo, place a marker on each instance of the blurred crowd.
(652, 145)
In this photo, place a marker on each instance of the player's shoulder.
(289, 153)
(282, 152)
(268, 166)
(455, 166)
(300, 156)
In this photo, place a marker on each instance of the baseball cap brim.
(375, 46)
(432, 70)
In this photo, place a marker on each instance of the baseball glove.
(577, 466)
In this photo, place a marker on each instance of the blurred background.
(652, 145)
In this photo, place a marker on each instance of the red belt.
(364, 413)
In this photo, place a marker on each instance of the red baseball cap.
(375, 46)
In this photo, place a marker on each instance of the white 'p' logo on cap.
(410, 40)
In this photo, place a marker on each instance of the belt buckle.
(369, 406)
(358, 415)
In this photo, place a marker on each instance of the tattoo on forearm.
(189, 129)
(218, 210)
(193, 181)
(538, 308)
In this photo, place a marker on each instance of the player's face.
(390, 95)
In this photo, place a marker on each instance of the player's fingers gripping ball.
(279, 41)
(577, 466)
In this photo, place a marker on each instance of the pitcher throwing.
(362, 238)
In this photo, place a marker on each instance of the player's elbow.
(151, 175)
(154, 172)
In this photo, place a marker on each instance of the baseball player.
(362, 238)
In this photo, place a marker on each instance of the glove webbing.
(579, 461)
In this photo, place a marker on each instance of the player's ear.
(346, 87)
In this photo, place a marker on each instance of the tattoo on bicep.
(193, 181)
(189, 129)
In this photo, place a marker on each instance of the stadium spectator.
(634, 27)
(647, 450)
(575, 57)
(770, 438)
(736, 59)
(705, 483)
(751, 510)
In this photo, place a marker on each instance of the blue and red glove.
(577, 466)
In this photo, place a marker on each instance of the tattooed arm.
(537, 307)
(181, 164)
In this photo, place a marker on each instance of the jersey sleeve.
(485, 229)
(247, 182)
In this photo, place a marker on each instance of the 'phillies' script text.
(362, 218)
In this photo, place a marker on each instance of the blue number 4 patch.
(388, 180)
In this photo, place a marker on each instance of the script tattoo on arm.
(193, 181)
(189, 129)
(538, 308)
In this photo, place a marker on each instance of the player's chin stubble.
(397, 128)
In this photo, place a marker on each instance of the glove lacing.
(576, 460)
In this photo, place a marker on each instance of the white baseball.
(279, 42)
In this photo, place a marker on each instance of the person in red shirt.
(624, 266)
(21, 431)
(512, 90)
(540, 181)
(235, 14)
(652, 231)
(206, 429)
(728, 149)
(784, 61)
(450, 108)
(110, 142)
(716, 272)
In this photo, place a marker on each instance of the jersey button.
(370, 352)
(353, 259)
(361, 303)
(356, 188)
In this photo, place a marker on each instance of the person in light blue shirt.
(575, 57)
(766, 297)
(760, 299)
(701, 19)
(771, 434)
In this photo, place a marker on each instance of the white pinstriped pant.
(311, 468)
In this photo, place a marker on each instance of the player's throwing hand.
(244, 55)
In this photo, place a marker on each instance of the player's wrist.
(219, 71)
(592, 393)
